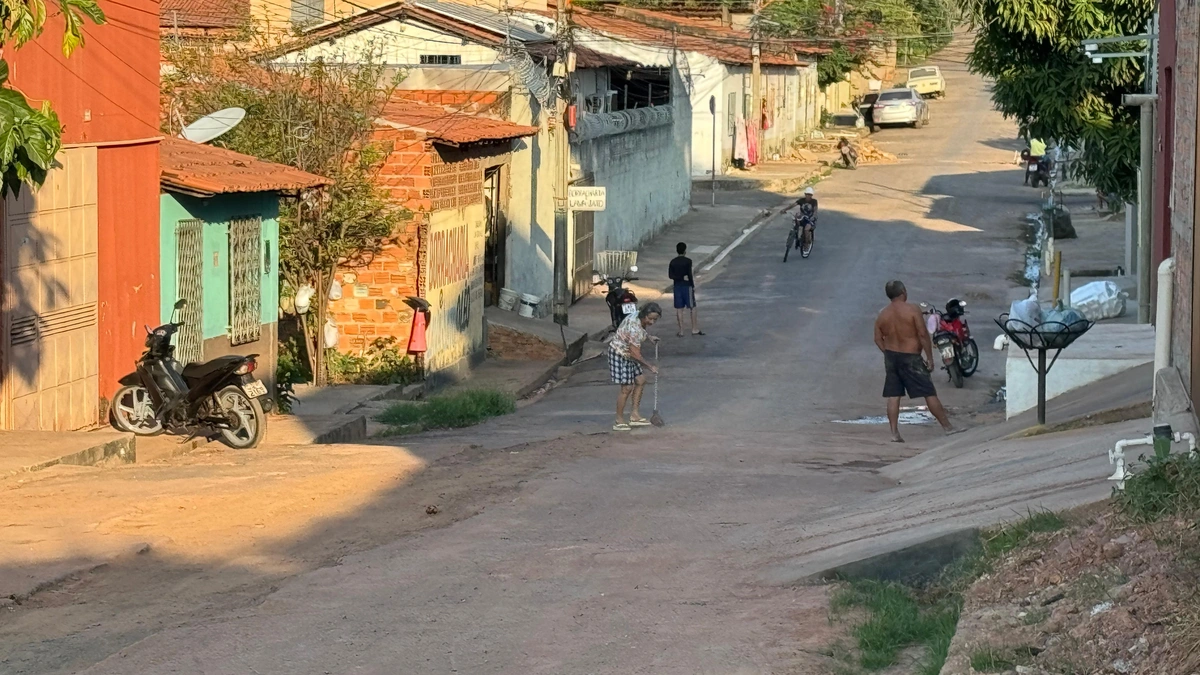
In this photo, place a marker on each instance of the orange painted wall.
(107, 94)
(108, 89)
(127, 256)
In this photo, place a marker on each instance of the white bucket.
(508, 299)
(529, 305)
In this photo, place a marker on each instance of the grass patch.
(449, 411)
(1169, 484)
(900, 617)
(1009, 537)
(993, 660)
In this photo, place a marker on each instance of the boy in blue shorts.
(680, 272)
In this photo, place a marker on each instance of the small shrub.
(1167, 485)
(382, 362)
(1009, 537)
(450, 411)
(291, 369)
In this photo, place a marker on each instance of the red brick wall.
(493, 102)
(415, 177)
(1184, 184)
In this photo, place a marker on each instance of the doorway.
(497, 236)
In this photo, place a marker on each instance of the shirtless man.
(901, 335)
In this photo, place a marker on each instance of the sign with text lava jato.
(581, 198)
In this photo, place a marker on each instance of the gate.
(50, 342)
(189, 266)
(585, 248)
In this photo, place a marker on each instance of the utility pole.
(1147, 102)
(562, 156)
(756, 74)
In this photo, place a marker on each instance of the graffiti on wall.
(456, 294)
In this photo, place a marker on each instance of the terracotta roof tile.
(726, 45)
(203, 13)
(205, 170)
(448, 126)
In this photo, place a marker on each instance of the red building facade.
(87, 290)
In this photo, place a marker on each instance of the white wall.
(395, 43)
(530, 249)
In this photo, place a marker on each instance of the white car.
(927, 81)
(900, 106)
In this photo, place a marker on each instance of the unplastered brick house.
(450, 169)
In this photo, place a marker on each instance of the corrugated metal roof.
(485, 18)
(203, 13)
(205, 170)
(448, 126)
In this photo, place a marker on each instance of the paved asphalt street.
(647, 552)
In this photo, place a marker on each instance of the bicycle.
(796, 240)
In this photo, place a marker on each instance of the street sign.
(581, 198)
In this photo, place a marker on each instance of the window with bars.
(307, 12)
(189, 270)
(245, 280)
(441, 60)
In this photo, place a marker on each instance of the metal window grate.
(245, 280)
(189, 261)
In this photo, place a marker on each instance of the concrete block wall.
(1183, 195)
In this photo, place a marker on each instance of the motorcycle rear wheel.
(968, 358)
(956, 375)
(133, 411)
(252, 420)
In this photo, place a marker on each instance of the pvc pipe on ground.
(1162, 322)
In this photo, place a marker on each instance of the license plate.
(948, 353)
(255, 389)
(629, 308)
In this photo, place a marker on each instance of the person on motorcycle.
(849, 155)
(808, 208)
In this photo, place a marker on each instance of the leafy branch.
(30, 138)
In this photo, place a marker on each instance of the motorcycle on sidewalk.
(220, 398)
(952, 340)
(621, 301)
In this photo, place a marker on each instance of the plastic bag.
(335, 291)
(304, 298)
(1024, 315)
(331, 334)
(1058, 325)
(1099, 300)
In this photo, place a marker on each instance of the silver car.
(900, 106)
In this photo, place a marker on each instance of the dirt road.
(564, 548)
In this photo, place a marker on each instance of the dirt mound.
(505, 343)
(1103, 596)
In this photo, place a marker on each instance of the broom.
(655, 418)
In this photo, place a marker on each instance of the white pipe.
(1117, 456)
(1189, 437)
(1162, 323)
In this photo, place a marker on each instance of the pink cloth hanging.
(751, 146)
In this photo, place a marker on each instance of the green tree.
(30, 138)
(315, 116)
(1043, 80)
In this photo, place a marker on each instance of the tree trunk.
(319, 375)
(310, 353)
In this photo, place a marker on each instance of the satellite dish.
(211, 126)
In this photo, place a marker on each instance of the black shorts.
(906, 373)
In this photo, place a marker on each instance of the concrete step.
(23, 451)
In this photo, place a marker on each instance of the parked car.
(846, 119)
(927, 81)
(900, 106)
(866, 108)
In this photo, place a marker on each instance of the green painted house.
(219, 249)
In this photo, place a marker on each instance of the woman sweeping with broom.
(625, 363)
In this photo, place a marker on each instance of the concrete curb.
(352, 431)
(123, 449)
(916, 563)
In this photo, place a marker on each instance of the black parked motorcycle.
(621, 301)
(219, 399)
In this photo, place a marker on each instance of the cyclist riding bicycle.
(806, 215)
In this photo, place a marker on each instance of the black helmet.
(955, 307)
